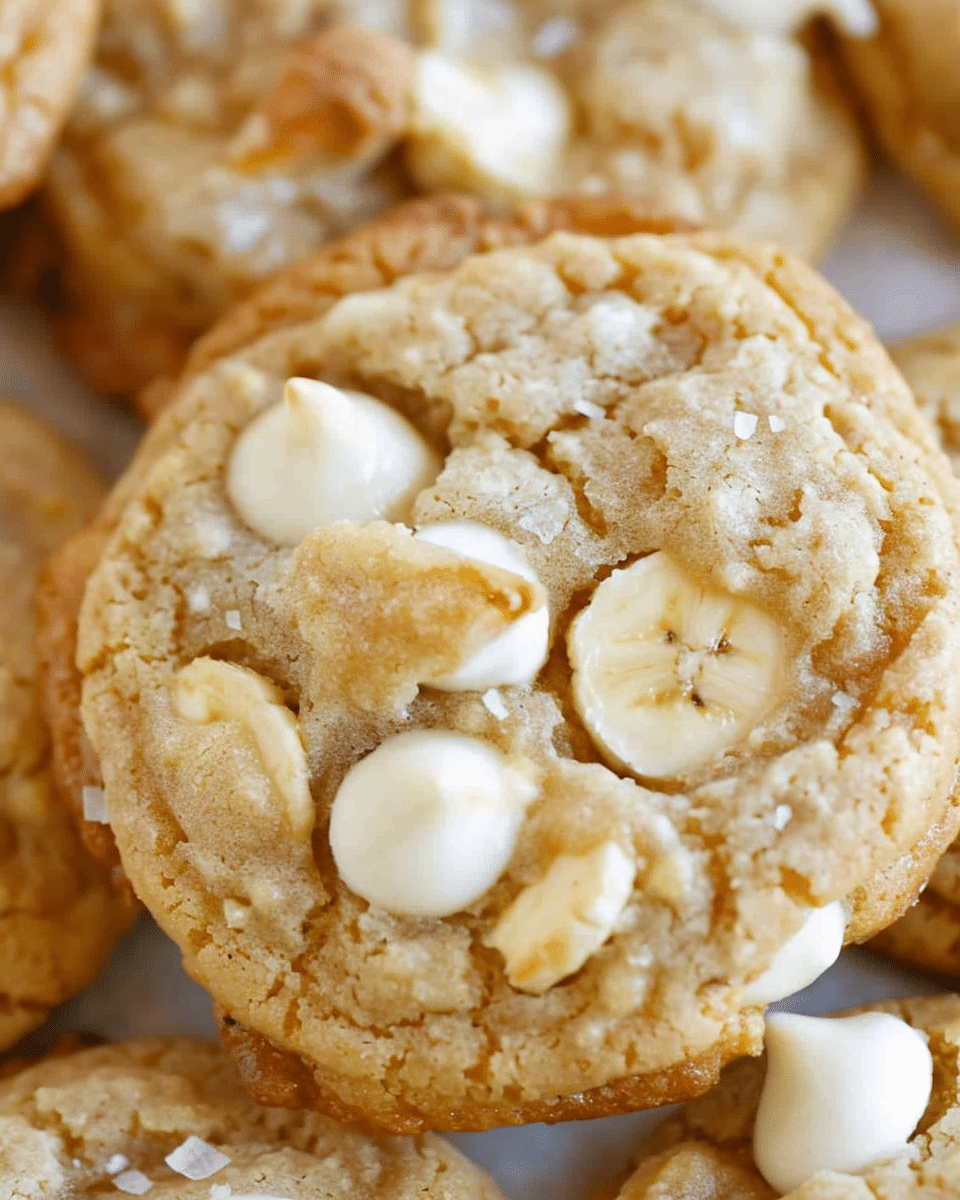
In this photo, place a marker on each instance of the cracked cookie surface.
(103, 1122)
(59, 914)
(588, 398)
(213, 145)
(705, 1150)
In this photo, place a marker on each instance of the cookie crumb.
(134, 1183)
(744, 425)
(553, 37)
(196, 1159)
(777, 424)
(782, 816)
(587, 408)
(95, 809)
(116, 1162)
(493, 703)
(232, 618)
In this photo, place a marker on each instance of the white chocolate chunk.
(668, 673)
(427, 823)
(855, 17)
(840, 1094)
(324, 455)
(498, 133)
(803, 958)
(556, 924)
(517, 654)
(208, 690)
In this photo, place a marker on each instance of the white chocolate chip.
(517, 654)
(556, 924)
(839, 1094)
(744, 425)
(208, 690)
(497, 133)
(427, 823)
(855, 17)
(324, 455)
(802, 958)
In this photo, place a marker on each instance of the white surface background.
(899, 265)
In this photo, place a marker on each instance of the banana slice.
(667, 673)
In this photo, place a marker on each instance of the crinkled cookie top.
(167, 1118)
(709, 502)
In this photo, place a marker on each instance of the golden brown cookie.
(909, 87)
(684, 433)
(430, 234)
(167, 1118)
(704, 1152)
(44, 48)
(928, 935)
(59, 916)
(206, 153)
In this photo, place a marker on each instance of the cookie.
(907, 82)
(205, 154)
(893, 1097)
(581, 442)
(167, 1117)
(430, 234)
(44, 49)
(60, 916)
(928, 936)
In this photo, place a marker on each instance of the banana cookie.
(429, 234)
(167, 1118)
(849, 1107)
(59, 914)
(929, 934)
(44, 48)
(908, 82)
(509, 681)
(211, 145)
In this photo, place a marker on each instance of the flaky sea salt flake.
(493, 703)
(777, 424)
(95, 809)
(134, 1183)
(196, 1159)
(744, 425)
(782, 816)
(116, 1162)
(232, 618)
(586, 408)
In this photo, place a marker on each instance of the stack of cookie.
(526, 643)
